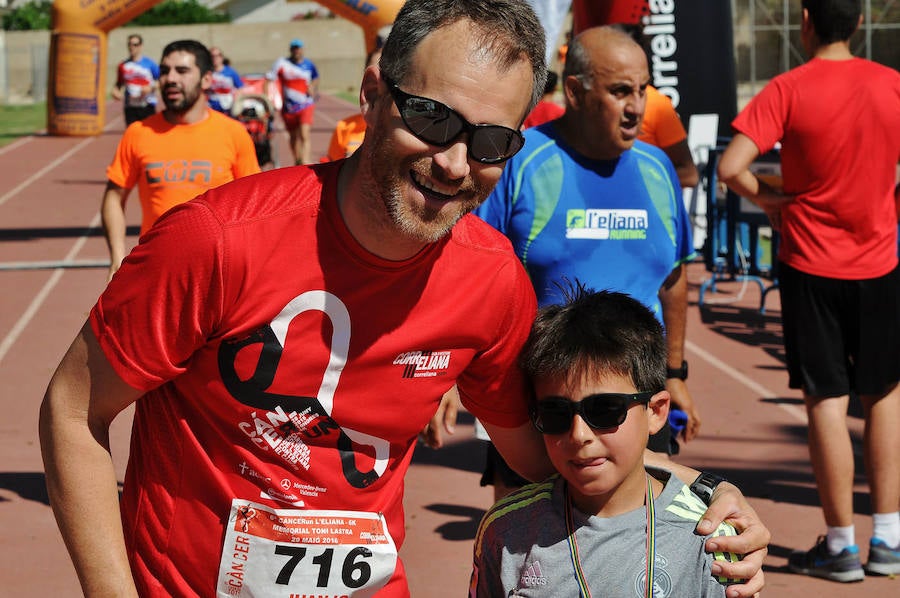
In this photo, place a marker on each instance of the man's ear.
(370, 91)
(206, 80)
(658, 411)
(573, 89)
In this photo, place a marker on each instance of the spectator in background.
(136, 82)
(662, 126)
(176, 154)
(547, 109)
(224, 84)
(838, 120)
(299, 80)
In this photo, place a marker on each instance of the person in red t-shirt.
(284, 338)
(838, 120)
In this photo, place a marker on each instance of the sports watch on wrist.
(680, 373)
(705, 485)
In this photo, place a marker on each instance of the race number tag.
(280, 553)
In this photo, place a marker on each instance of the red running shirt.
(286, 365)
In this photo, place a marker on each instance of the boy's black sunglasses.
(554, 415)
(438, 124)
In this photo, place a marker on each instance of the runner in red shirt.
(838, 120)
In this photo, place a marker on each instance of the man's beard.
(187, 101)
(386, 187)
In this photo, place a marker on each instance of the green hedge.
(36, 15)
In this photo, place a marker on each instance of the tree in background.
(35, 15)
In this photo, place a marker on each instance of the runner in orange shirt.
(176, 154)
(349, 132)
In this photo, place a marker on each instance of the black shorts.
(135, 113)
(661, 442)
(840, 336)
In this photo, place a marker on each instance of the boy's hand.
(728, 504)
(443, 421)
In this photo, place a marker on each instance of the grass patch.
(348, 95)
(20, 120)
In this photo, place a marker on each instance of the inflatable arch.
(76, 89)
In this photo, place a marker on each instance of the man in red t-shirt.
(286, 336)
(838, 120)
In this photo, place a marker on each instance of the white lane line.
(9, 194)
(796, 412)
(15, 144)
(42, 295)
(23, 140)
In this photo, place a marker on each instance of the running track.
(50, 189)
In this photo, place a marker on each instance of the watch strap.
(680, 373)
(705, 485)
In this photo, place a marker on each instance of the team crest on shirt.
(423, 364)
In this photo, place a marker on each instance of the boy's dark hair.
(508, 29)
(202, 57)
(593, 334)
(833, 20)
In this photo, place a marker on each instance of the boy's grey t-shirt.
(521, 547)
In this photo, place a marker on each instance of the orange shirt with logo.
(171, 164)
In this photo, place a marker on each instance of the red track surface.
(50, 189)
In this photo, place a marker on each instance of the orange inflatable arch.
(76, 90)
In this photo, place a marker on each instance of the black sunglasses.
(554, 415)
(438, 124)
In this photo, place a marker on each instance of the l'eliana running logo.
(614, 225)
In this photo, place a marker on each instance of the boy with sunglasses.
(597, 365)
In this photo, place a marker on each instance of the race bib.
(280, 553)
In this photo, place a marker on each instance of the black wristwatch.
(680, 373)
(705, 485)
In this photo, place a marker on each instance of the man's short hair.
(508, 29)
(202, 57)
(833, 20)
(595, 334)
